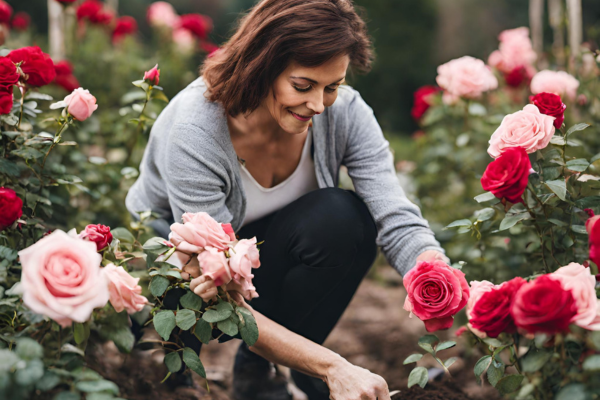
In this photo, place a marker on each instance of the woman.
(238, 143)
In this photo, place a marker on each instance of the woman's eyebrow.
(315, 82)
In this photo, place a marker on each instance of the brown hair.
(275, 33)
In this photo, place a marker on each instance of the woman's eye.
(306, 89)
(331, 89)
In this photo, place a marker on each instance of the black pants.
(316, 251)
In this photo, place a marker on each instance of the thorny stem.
(540, 234)
(54, 142)
(23, 91)
(133, 140)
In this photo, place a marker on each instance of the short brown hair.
(275, 33)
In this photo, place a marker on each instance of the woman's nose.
(316, 103)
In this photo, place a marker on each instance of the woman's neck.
(259, 122)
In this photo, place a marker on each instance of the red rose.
(65, 77)
(8, 72)
(92, 10)
(11, 207)
(37, 65)
(21, 21)
(593, 228)
(6, 100)
(66, 1)
(152, 76)
(517, 77)
(99, 234)
(197, 24)
(125, 26)
(507, 176)
(422, 100)
(543, 306)
(491, 313)
(5, 12)
(550, 104)
(436, 292)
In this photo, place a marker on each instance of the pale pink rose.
(198, 231)
(62, 279)
(578, 279)
(125, 293)
(243, 257)
(214, 264)
(557, 82)
(228, 229)
(162, 14)
(466, 77)
(244, 286)
(515, 51)
(527, 128)
(81, 104)
(594, 324)
(478, 288)
(184, 40)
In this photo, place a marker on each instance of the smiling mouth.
(300, 117)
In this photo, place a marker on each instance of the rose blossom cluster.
(63, 279)
(220, 256)
(515, 57)
(548, 304)
(436, 292)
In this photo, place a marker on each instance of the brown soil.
(374, 333)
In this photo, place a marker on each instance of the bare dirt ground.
(375, 333)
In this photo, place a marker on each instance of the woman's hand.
(204, 287)
(432, 255)
(189, 260)
(350, 382)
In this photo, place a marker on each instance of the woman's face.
(299, 93)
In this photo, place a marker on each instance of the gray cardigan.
(190, 165)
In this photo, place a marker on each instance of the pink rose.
(62, 279)
(162, 14)
(244, 257)
(576, 278)
(528, 128)
(594, 324)
(214, 264)
(557, 82)
(184, 40)
(152, 76)
(515, 51)
(125, 293)
(228, 229)
(436, 292)
(477, 290)
(99, 234)
(244, 286)
(466, 77)
(81, 104)
(198, 231)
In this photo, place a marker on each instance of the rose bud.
(99, 234)
(508, 175)
(550, 104)
(593, 228)
(11, 207)
(81, 104)
(152, 77)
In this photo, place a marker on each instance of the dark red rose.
(543, 306)
(593, 228)
(37, 65)
(11, 207)
(550, 104)
(422, 100)
(125, 26)
(517, 77)
(152, 76)
(6, 99)
(199, 25)
(93, 11)
(8, 72)
(99, 234)
(507, 176)
(21, 21)
(491, 313)
(65, 77)
(5, 12)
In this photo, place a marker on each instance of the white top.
(261, 201)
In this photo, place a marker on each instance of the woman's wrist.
(333, 366)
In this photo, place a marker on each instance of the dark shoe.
(255, 378)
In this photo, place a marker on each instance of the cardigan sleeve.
(403, 233)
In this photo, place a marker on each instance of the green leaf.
(427, 342)
(579, 229)
(9, 168)
(29, 349)
(248, 327)
(81, 332)
(38, 96)
(27, 153)
(579, 164)
(485, 214)
(574, 391)
(158, 95)
(511, 220)
(487, 196)
(222, 312)
(412, 358)
(164, 323)
(97, 386)
(418, 376)
(191, 359)
(67, 396)
(132, 96)
(158, 285)
(450, 361)
(595, 158)
(192, 301)
(495, 373)
(203, 331)
(481, 365)
(509, 383)
(460, 222)
(123, 235)
(185, 319)
(558, 140)
(535, 359)
(156, 245)
(173, 361)
(228, 327)
(592, 363)
(588, 202)
(28, 376)
(47, 382)
(445, 345)
(559, 187)
(9, 119)
(577, 128)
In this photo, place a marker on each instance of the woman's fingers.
(204, 287)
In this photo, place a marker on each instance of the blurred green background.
(411, 38)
